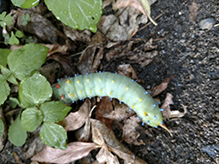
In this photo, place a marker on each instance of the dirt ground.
(192, 56)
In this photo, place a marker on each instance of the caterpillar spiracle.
(116, 86)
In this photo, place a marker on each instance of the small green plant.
(12, 38)
(20, 67)
(25, 19)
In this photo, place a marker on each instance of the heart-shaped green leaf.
(54, 111)
(53, 135)
(16, 134)
(78, 14)
(34, 91)
(24, 61)
(31, 118)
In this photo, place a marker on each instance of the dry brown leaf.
(116, 147)
(166, 106)
(89, 62)
(167, 113)
(160, 88)
(39, 26)
(104, 156)
(77, 35)
(193, 8)
(66, 63)
(121, 112)
(127, 70)
(75, 120)
(142, 5)
(74, 151)
(83, 134)
(104, 107)
(130, 135)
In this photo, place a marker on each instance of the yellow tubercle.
(80, 91)
(88, 79)
(89, 90)
(99, 79)
(127, 88)
(113, 81)
(111, 93)
(100, 90)
(121, 98)
(71, 95)
(133, 107)
(68, 81)
(78, 81)
(145, 114)
(140, 99)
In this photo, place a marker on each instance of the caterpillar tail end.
(164, 127)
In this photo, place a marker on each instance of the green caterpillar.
(115, 86)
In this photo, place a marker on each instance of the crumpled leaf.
(115, 146)
(104, 155)
(74, 151)
(121, 112)
(83, 134)
(141, 5)
(127, 70)
(75, 120)
(130, 135)
(167, 113)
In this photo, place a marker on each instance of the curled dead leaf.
(74, 151)
(130, 135)
(160, 88)
(127, 70)
(115, 146)
(75, 120)
(167, 113)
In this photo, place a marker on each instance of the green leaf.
(54, 111)
(78, 14)
(31, 118)
(16, 134)
(3, 56)
(24, 61)
(53, 135)
(13, 40)
(5, 19)
(13, 102)
(8, 20)
(2, 126)
(18, 2)
(19, 34)
(7, 37)
(34, 90)
(30, 3)
(25, 19)
(2, 15)
(8, 75)
(25, 3)
(4, 89)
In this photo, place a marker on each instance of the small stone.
(207, 24)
